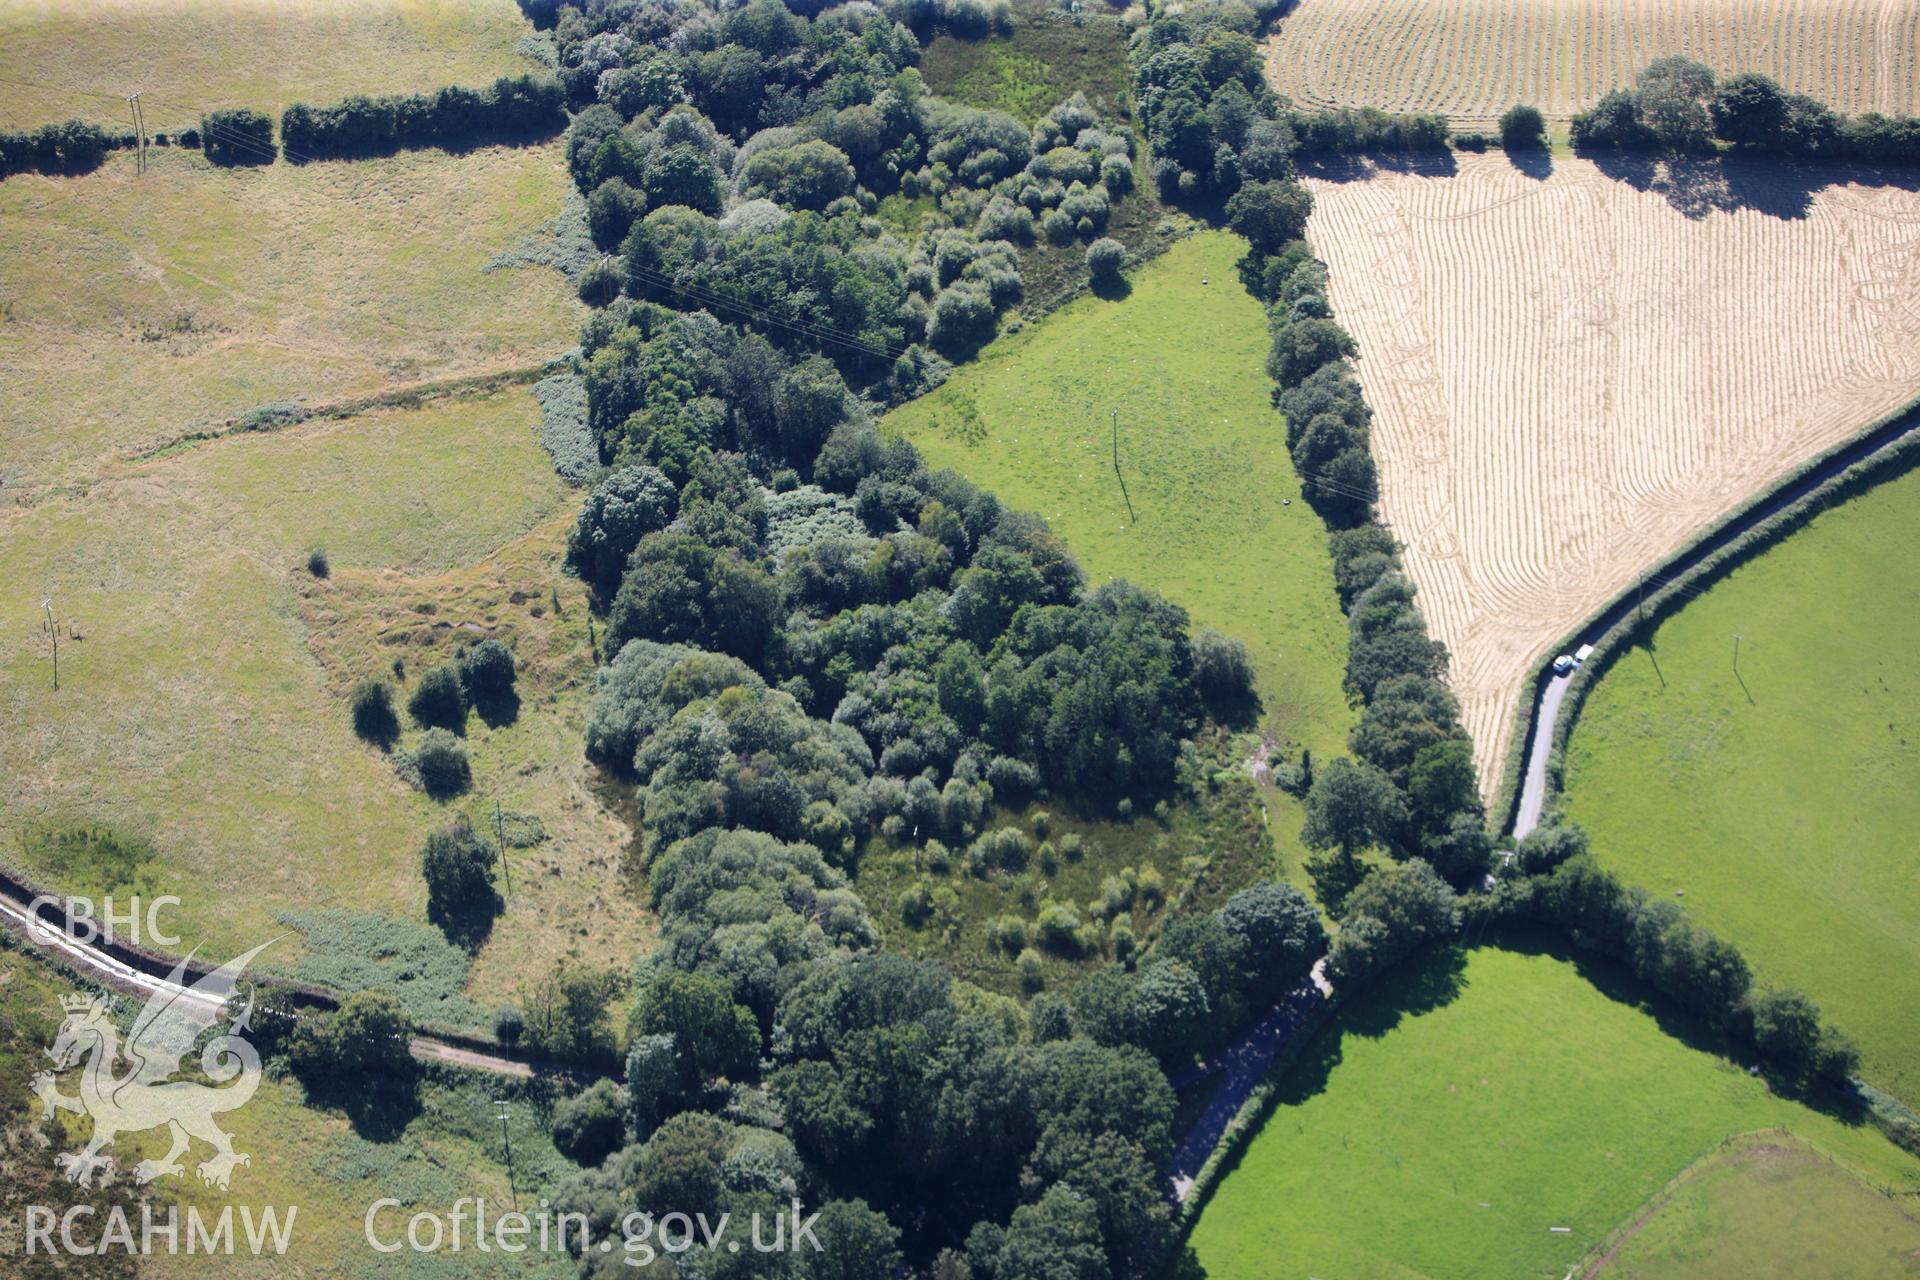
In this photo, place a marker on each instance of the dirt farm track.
(1574, 373)
(1472, 59)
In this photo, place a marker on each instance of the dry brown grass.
(570, 896)
(139, 307)
(188, 56)
(1472, 59)
(205, 708)
(1573, 376)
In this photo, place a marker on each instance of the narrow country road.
(1533, 789)
(1243, 1064)
(1552, 689)
(142, 976)
(1247, 1060)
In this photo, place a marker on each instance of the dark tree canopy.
(458, 866)
(440, 700)
(1522, 128)
(627, 504)
(1270, 214)
(1352, 806)
(1280, 933)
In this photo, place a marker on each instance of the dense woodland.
(815, 646)
(812, 645)
(815, 643)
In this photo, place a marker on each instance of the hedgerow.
(1677, 105)
(511, 108)
(73, 147)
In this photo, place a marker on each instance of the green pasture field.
(1218, 522)
(205, 671)
(65, 58)
(135, 309)
(1767, 1205)
(1783, 799)
(1445, 1123)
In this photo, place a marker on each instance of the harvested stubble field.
(1574, 374)
(1472, 59)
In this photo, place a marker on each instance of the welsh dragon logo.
(142, 1094)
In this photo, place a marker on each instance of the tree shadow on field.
(382, 1110)
(1418, 985)
(1696, 186)
(1114, 288)
(1360, 167)
(1534, 162)
(1613, 979)
(498, 709)
(378, 1105)
(467, 924)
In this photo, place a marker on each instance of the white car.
(1563, 664)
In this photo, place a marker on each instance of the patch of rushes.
(1115, 879)
(1046, 58)
(1052, 275)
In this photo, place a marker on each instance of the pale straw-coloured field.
(1472, 59)
(1573, 375)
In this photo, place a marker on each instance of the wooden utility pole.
(53, 637)
(1131, 518)
(139, 132)
(500, 842)
(506, 1140)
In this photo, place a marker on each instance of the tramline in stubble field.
(1471, 59)
(1573, 376)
